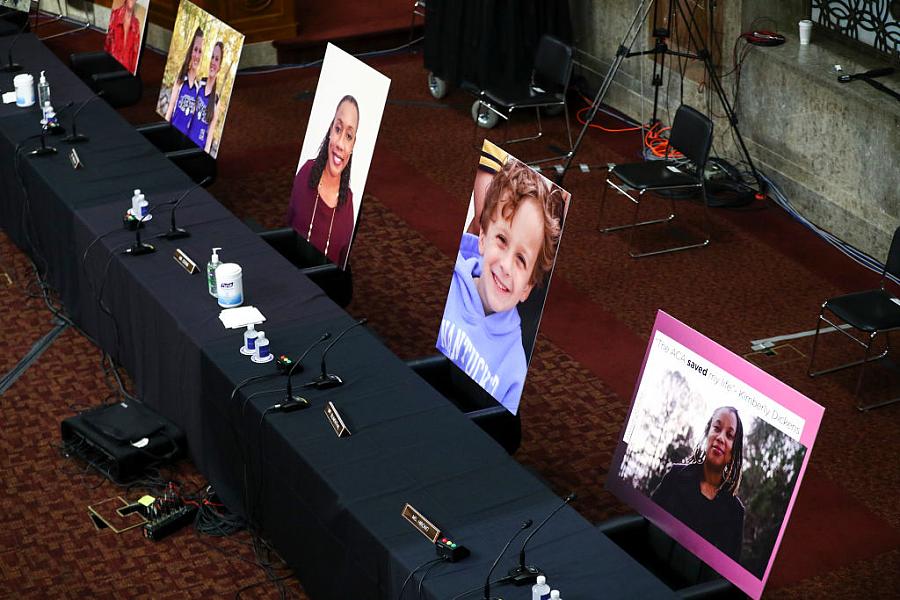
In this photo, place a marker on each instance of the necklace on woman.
(313, 219)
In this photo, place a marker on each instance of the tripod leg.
(634, 29)
(703, 52)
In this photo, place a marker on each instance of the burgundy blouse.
(338, 220)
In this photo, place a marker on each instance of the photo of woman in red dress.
(123, 38)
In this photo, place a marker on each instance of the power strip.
(159, 528)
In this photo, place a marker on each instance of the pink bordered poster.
(713, 452)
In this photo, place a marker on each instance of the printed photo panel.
(713, 452)
(127, 25)
(199, 76)
(502, 274)
(330, 179)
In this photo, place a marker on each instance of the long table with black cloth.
(331, 506)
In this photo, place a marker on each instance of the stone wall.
(831, 147)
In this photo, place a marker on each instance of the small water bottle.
(43, 90)
(262, 354)
(554, 595)
(49, 121)
(540, 590)
(250, 337)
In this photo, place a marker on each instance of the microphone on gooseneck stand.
(44, 149)
(11, 66)
(487, 581)
(292, 402)
(49, 125)
(325, 379)
(75, 137)
(174, 232)
(140, 247)
(522, 574)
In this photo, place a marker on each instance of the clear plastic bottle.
(540, 590)
(43, 90)
(554, 595)
(211, 272)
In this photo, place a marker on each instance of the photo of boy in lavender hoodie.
(514, 251)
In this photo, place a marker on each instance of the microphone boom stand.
(703, 54)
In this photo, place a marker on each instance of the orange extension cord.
(653, 140)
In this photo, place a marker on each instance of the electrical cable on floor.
(652, 138)
(856, 255)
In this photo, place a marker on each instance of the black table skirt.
(330, 505)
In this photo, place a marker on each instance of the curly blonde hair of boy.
(512, 185)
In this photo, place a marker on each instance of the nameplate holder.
(185, 261)
(337, 422)
(75, 159)
(422, 525)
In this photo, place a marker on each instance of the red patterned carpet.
(762, 275)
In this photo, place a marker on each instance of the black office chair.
(870, 312)
(478, 405)
(103, 73)
(687, 575)
(546, 90)
(179, 149)
(14, 21)
(335, 282)
(691, 135)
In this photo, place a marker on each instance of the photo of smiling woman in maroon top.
(321, 208)
(702, 493)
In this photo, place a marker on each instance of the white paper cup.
(24, 84)
(805, 31)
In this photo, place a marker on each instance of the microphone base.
(524, 575)
(75, 138)
(139, 249)
(325, 381)
(43, 151)
(176, 233)
(293, 403)
(11, 68)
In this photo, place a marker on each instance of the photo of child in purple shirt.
(513, 253)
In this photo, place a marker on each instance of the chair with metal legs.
(546, 90)
(691, 136)
(871, 312)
